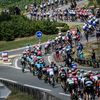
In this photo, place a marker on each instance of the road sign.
(4, 56)
(39, 34)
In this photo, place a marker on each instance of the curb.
(21, 48)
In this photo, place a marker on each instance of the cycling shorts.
(89, 90)
(71, 87)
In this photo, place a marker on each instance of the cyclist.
(55, 68)
(50, 72)
(70, 84)
(98, 86)
(23, 63)
(63, 77)
(88, 86)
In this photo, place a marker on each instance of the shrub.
(7, 31)
(65, 28)
(4, 16)
(19, 26)
(57, 24)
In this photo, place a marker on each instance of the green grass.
(17, 95)
(92, 45)
(29, 40)
(23, 42)
(95, 3)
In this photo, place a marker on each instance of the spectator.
(98, 34)
(93, 57)
(86, 36)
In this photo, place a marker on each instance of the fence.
(38, 94)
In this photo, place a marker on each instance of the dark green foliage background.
(18, 26)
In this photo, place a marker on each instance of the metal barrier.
(38, 94)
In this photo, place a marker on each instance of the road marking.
(22, 48)
(8, 80)
(39, 88)
(13, 56)
(49, 59)
(64, 94)
(16, 66)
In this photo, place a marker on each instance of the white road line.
(39, 88)
(16, 66)
(64, 94)
(8, 80)
(49, 59)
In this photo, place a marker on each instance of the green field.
(23, 42)
(28, 40)
(17, 95)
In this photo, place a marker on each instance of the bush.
(57, 24)
(5, 16)
(65, 28)
(7, 31)
(13, 10)
(19, 26)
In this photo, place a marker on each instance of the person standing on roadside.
(93, 57)
(87, 36)
(98, 34)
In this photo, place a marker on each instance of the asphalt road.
(27, 78)
(15, 74)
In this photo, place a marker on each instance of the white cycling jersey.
(50, 71)
(70, 81)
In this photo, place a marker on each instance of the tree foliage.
(17, 26)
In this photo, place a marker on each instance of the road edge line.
(35, 87)
(64, 94)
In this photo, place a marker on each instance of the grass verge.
(17, 95)
(23, 42)
(30, 40)
(89, 47)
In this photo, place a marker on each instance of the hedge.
(13, 26)
(65, 28)
(17, 26)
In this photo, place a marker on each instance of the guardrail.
(38, 94)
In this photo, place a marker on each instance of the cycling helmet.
(69, 71)
(24, 52)
(85, 74)
(82, 70)
(88, 75)
(59, 33)
(89, 72)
